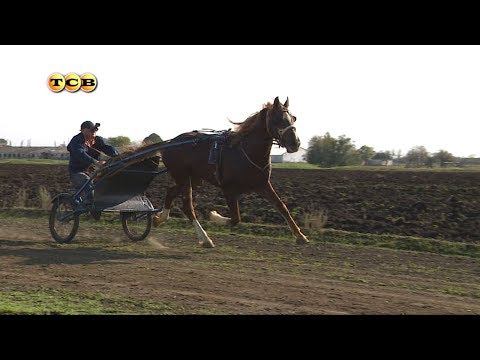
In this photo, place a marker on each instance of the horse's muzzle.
(288, 139)
(291, 148)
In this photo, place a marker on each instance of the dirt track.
(241, 275)
(260, 275)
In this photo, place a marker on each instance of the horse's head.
(280, 125)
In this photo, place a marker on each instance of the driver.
(85, 149)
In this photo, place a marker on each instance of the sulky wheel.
(136, 225)
(63, 221)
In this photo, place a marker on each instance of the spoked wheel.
(63, 223)
(136, 225)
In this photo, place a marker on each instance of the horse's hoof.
(157, 220)
(215, 216)
(302, 240)
(207, 245)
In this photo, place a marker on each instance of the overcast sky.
(387, 97)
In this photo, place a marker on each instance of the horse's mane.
(245, 127)
(241, 128)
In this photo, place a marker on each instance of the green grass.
(47, 302)
(396, 242)
(390, 241)
(403, 168)
(27, 213)
(34, 162)
(373, 168)
(294, 166)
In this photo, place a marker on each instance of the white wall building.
(34, 152)
(299, 156)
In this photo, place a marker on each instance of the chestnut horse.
(242, 165)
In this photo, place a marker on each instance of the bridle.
(278, 140)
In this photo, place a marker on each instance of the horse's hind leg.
(189, 211)
(269, 193)
(163, 215)
(232, 202)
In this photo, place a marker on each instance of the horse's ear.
(276, 103)
(286, 103)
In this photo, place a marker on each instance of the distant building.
(299, 156)
(378, 162)
(469, 162)
(34, 152)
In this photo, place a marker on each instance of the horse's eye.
(278, 119)
(294, 118)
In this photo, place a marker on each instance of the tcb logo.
(72, 82)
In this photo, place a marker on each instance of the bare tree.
(417, 156)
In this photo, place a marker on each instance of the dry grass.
(45, 198)
(315, 219)
(21, 200)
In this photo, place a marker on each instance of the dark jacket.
(82, 156)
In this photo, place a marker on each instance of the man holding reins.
(85, 149)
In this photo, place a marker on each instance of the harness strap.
(281, 132)
(251, 162)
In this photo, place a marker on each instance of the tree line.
(120, 141)
(116, 141)
(327, 151)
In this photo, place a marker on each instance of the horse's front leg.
(232, 202)
(269, 193)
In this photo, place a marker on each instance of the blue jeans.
(80, 178)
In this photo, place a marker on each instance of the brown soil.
(442, 205)
(248, 275)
